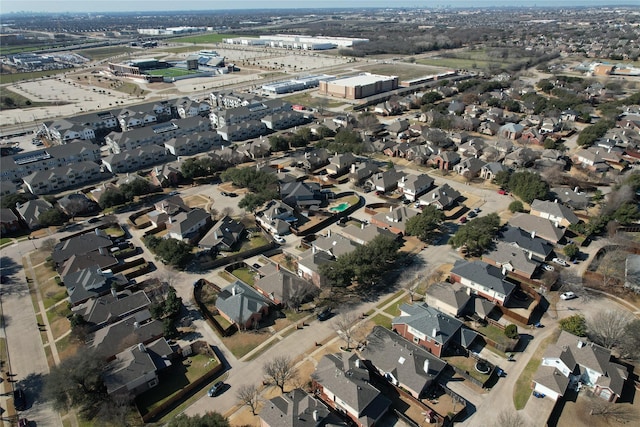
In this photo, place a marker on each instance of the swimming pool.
(341, 207)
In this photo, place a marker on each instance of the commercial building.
(358, 87)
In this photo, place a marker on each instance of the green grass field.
(171, 72)
(206, 38)
(19, 77)
(99, 53)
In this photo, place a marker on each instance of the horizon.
(77, 6)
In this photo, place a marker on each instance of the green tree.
(528, 186)
(278, 143)
(516, 206)
(423, 225)
(52, 216)
(431, 97)
(575, 325)
(173, 252)
(200, 166)
(502, 178)
(571, 250)
(590, 134)
(627, 213)
(136, 187)
(10, 200)
(111, 197)
(210, 419)
(511, 331)
(477, 235)
(251, 201)
(172, 303)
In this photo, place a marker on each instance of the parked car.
(560, 261)
(278, 238)
(471, 214)
(94, 220)
(476, 211)
(567, 295)
(379, 193)
(325, 314)
(503, 192)
(548, 267)
(215, 389)
(19, 400)
(462, 220)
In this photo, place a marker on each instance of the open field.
(99, 53)
(403, 71)
(17, 100)
(19, 77)
(171, 72)
(206, 38)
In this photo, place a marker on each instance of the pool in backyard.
(339, 208)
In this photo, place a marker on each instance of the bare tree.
(280, 371)
(227, 210)
(616, 412)
(617, 198)
(48, 245)
(612, 266)
(510, 419)
(346, 326)
(248, 394)
(607, 327)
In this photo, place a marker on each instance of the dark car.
(325, 314)
(215, 389)
(232, 194)
(19, 400)
(257, 266)
(94, 220)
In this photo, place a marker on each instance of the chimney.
(575, 190)
(391, 208)
(362, 226)
(504, 270)
(233, 290)
(434, 332)
(136, 325)
(530, 255)
(555, 201)
(277, 267)
(533, 234)
(114, 293)
(434, 195)
(329, 233)
(142, 348)
(316, 416)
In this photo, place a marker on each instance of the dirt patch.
(196, 201)
(244, 418)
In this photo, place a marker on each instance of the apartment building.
(136, 159)
(62, 178)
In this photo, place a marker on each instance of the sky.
(8, 6)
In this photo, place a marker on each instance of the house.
(491, 169)
(413, 186)
(395, 220)
(442, 197)
(512, 258)
(309, 263)
(469, 167)
(511, 131)
(450, 298)
(571, 197)
(342, 381)
(558, 213)
(483, 279)
(139, 328)
(521, 158)
(224, 234)
(591, 158)
(256, 149)
(537, 226)
(432, 329)
(333, 244)
(101, 258)
(580, 361)
(83, 243)
(166, 175)
(77, 204)
(241, 305)
(365, 233)
(445, 160)
(110, 308)
(186, 225)
(403, 363)
(385, 181)
(8, 221)
(297, 408)
(316, 159)
(276, 217)
(282, 287)
(301, 194)
(340, 163)
(360, 171)
(91, 282)
(134, 370)
(535, 247)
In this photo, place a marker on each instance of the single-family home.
(537, 226)
(316, 159)
(333, 244)
(469, 167)
(342, 381)
(138, 328)
(360, 171)
(301, 194)
(445, 160)
(309, 263)
(91, 282)
(224, 234)
(297, 408)
(572, 197)
(79, 261)
(513, 258)
(276, 217)
(591, 158)
(365, 233)
(241, 305)
(432, 329)
(483, 279)
(511, 131)
(340, 163)
(385, 181)
(395, 220)
(535, 248)
(8, 221)
(186, 225)
(284, 288)
(110, 308)
(450, 298)
(442, 197)
(555, 212)
(413, 186)
(491, 169)
(401, 362)
(83, 243)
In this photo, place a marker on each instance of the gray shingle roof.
(30, 211)
(429, 320)
(555, 209)
(139, 328)
(79, 245)
(525, 241)
(485, 275)
(541, 226)
(240, 301)
(296, 409)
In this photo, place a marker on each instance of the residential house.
(224, 234)
(110, 308)
(398, 150)
(365, 233)
(537, 226)
(450, 298)
(432, 329)
(333, 244)
(186, 225)
(490, 170)
(469, 167)
(591, 158)
(8, 222)
(442, 197)
(342, 381)
(512, 258)
(340, 163)
(532, 136)
(241, 305)
(316, 159)
(139, 328)
(309, 263)
(402, 363)
(445, 160)
(81, 244)
(571, 197)
(284, 288)
(578, 360)
(256, 149)
(77, 204)
(413, 186)
(166, 175)
(62, 178)
(31, 210)
(385, 181)
(483, 279)
(510, 131)
(395, 220)
(360, 171)
(521, 158)
(472, 147)
(558, 213)
(301, 194)
(276, 217)
(98, 258)
(91, 282)
(536, 248)
(297, 408)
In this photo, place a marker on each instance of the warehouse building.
(358, 87)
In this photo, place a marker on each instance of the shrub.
(511, 331)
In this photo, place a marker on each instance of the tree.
(516, 206)
(11, 200)
(510, 419)
(248, 394)
(477, 235)
(210, 419)
(571, 250)
(369, 122)
(279, 371)
(502, 178)
(630, 345)
(423, 225)
(528, 186)
(345, 325)
(431, 97)
(278, 143)
(511, 331)
(575, 325)
(52, 216)
(614, 413)
(111, 197)
(252, 201)
(171, 251)
(607, 327)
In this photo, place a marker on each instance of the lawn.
(207, 38)
(171, 72)
(99, 53)
(391, 298)
(382, 320)
(4, 241)
(245, 275)
(115, 232)
(19, 77)
(19, 101)
(58, 321)
(522, 390)
(310, 101)
(394, 309)
(467, 364)
(494, 333)
(243, 342)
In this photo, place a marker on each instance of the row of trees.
(197, 167)
(125, 193)
(528, 186)
(263, 186)
(171, 251)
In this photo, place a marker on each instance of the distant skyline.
(9, 6)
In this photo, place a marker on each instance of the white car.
(567, 295)
(560, 261)
(278, 238)
(548, 267)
